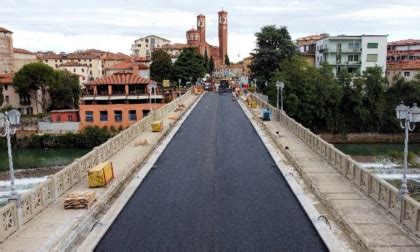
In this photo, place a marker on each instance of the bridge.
(217, 178)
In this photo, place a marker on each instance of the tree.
(206, 60)
(34, 77)
(227, 61)
(274, 45)
(161, 67)
(64, 90)
(189, 64)
(211, 65)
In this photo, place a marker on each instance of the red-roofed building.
(26, 104)
(139, 66)
(403, 58)
(118, 100)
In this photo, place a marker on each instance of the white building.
(352, 53)
(144, 47)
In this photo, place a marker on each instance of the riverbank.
(369, 138)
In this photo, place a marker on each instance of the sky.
(110, 25)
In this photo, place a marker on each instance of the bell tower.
(201, 27)
(223, 34)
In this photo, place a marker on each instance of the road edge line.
(96, 234)
(322, 228)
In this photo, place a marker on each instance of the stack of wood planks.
(77, 200)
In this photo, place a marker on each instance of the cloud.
(113, 25)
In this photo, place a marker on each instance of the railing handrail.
(35, 200)
(405, 210)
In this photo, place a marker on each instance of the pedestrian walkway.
(363, 219)
(54, 224)
(214, 188)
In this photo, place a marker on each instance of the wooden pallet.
(78, 200)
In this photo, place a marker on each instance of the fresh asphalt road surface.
(215, 188)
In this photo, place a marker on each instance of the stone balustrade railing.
(404, 209)
(14, 215)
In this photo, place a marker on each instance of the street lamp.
(409, 115)
(280, 85)
(8, 121)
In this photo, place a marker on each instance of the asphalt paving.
(214, 188)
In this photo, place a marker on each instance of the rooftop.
(311, 39)
(127, 64)
(6, 78)
(22, 51)
(2, 29)
(405, 42)
(121, 79)
(73, 64)
(176, 46)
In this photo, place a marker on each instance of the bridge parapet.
(405, 210)
(16, 214)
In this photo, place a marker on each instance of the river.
(35, 158)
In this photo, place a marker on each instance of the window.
(83, 78)
(46, 61)
(90, 65)
(354, 45)
(103, 116)
(90, 72)
(6, 87)
(372, 45)
(145, 112)
(83, 70)
(132, 116)
(74, 70)
(147, 40)
(7, 98)
(353, 57)
(89, 116)
(147, 45)
(118, 115)
(407, 74)
(372, 58)
(70, 118)
(59, 118)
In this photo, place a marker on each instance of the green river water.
(375, 149)
(35, 158)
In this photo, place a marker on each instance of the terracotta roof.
(115, 56)
(6, 78)
(201, 15)
(22, 51)
(76, 64)
(192, 30)
(68, 56)
(176, 46)
(121, 78)
(4, 30)
(406, 65)
(311, 39)
(127, 64)
(405, 42)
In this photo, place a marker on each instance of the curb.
(321, 227)
(98, 231)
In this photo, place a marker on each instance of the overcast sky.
(113, 25)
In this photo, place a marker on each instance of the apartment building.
(22, 57)
(174, 50)
(118, 100)
(79, 69)
(306, 46)
(143, 47)
(352, 53)
(403, 59)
